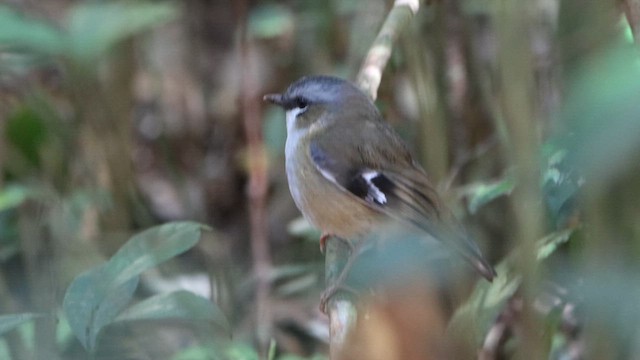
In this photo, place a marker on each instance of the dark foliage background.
(119, 116)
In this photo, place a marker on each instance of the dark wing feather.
(383, 175)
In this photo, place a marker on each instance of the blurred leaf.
(300, 227)
(22, 34)
(602, 112)
(550, 243)
(94, 27)
(96, 297)
(560, 183)
(610, 295)
(269, 21)
(198, 352)
(10, 322)
(240, 351)
(153, 246)
(27, 132)
(176, 305)
(296, 357)
(483, 193)
(473, 319)
(272, 350)
(12, 196)
(91, 303)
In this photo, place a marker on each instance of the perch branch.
(378, 55)
(340, 307)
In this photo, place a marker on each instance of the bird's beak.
(274, 99)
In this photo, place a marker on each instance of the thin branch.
(378, 55)
(250, 95)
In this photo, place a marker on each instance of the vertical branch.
(257, 188)
(517, 96)
(341, 309)
(378, 55)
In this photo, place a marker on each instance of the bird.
(349, 172)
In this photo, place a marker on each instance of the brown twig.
(250, 95)
(341, 308)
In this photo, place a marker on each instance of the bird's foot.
(326, 236)
(323, 241)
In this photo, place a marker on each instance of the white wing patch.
(374, 194)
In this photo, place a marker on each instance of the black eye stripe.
(301, 102)
(296, 102)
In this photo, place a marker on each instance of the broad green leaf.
(483, 193)
(91, 303)
(176, 305)
(94, 27)
(18, 33)
(153, 246)
(97, 296)
(10, 322)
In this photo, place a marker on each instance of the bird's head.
(320, 98)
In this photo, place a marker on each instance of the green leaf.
(268, 21)
(176, 305)
(473, 319)
(97, 296)
(272, 350)
(240, 351)
(12, 196)
(10, 322)
(18, 33)
(483, 193)
(550, 243)
(153, 246)
(198, 352)
(95, 27)
(27, 132)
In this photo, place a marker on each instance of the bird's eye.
(301, 103)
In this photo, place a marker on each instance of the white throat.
(292, 114)
(294, 134)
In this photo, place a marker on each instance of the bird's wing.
(383, 175)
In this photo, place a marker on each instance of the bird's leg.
(339, 283)
(323, 242)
